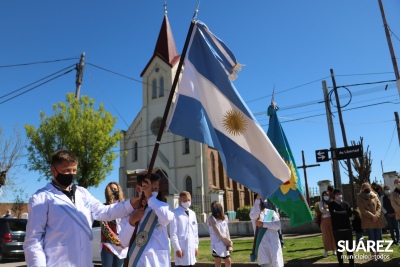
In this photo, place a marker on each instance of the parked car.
(96, 241)
(12, 236)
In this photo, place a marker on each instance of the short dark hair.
(142, 175)
(336, 190)
(62, 155)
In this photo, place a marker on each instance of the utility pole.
(337, 181)
(396, 116)
(305, 175)
(389, 40)
(79, 75)
(344, 138)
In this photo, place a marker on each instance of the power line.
(34, 82)
(36, 86)
(39, 62)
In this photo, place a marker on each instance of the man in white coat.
(150, 246)
(269, 251)
(184, 232)
(61, 214)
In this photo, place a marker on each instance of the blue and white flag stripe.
(208, 109)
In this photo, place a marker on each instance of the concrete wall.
(246, 229)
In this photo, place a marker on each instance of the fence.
(201, 205)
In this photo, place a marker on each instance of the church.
(183, 164)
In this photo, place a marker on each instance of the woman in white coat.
(269, 253)
(61, 214)
(184, 232)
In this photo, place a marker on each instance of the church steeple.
(165, 47)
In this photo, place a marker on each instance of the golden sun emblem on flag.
(234, 122)
(292, 182)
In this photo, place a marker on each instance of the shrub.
(242, 213)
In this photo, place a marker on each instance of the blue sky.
(287, 45)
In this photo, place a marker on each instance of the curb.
(395, 263)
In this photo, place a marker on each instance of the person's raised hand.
(135, 202)
(136, 216)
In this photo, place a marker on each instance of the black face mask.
(65, 179)
(215, 212)
(367, 191)
(115, 193)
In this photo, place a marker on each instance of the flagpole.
(171, 94)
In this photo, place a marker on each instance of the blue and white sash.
(142, 238)
(75, 215)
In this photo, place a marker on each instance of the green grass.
(309, 249)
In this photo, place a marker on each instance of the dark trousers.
(393, 226)
(346, 235)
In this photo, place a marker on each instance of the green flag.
(289, 197)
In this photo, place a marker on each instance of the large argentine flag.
(208, 109)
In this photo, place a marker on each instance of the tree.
(78, 127)
(10, 152)
(19, 203)
(361, 165)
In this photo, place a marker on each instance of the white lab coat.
(184, 236)
(53, 238)
(157, 250)
(255, 214)
(216, 243)
(269, 250)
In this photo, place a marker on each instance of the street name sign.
(322, 155)
(349, 152)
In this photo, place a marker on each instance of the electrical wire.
(36, 86)
(35, 82)
(390, 143)
(39, 62)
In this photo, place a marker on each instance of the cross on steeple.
(165, 8)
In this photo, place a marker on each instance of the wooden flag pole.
(164, 119)
(169, 102)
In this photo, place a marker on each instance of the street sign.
(322, 155)
(349, 152)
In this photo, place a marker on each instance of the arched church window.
(213, 176)
(135, 152)
(189, 184)
(161, 94)
(154, 93)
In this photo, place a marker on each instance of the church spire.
(165, 46)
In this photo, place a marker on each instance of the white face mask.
(154, 194)
(186, 205)
(257, 202)
(326, 198)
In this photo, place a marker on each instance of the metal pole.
(335, 163)
(344, 138)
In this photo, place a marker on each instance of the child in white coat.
(269, 250)
(221, 244)
(184, 232)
